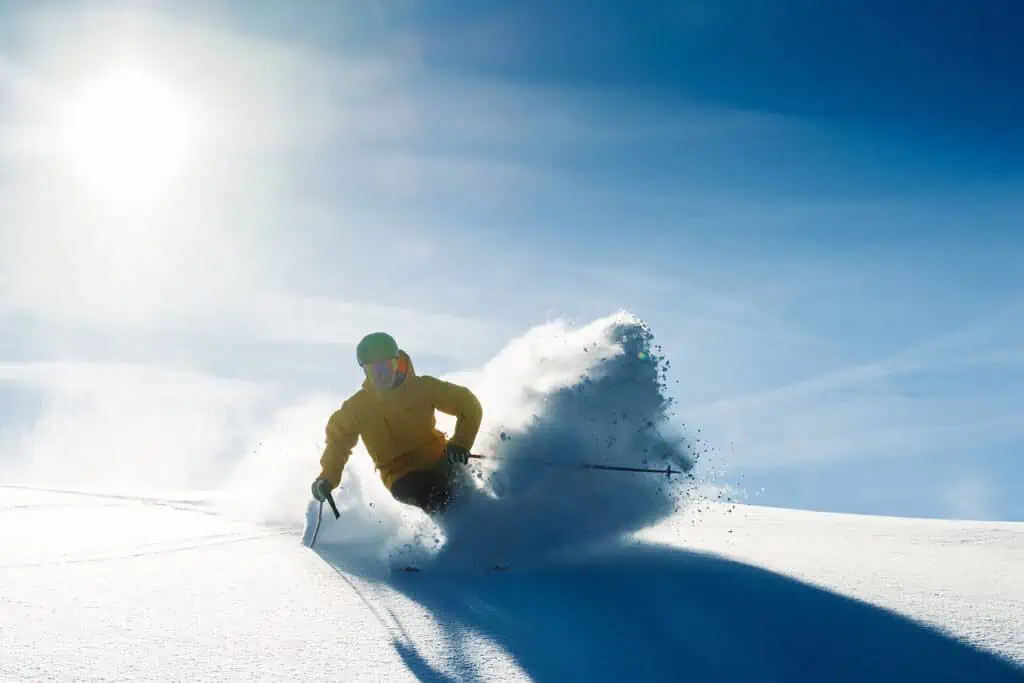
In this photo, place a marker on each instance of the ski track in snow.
(613, 577)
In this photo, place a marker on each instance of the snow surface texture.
(614, 576)
(100, 589)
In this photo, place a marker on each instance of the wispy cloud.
(232, 253)
(873, 409)
(264, 250)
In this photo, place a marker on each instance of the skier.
(393, 412)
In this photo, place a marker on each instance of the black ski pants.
(430, 490)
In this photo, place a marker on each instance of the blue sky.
(816, 207)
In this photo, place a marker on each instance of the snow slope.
(614, 576)
(100, 589)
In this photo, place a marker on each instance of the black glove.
(321, 488)
(456, 454)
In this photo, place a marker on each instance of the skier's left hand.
(456, 454)
(321, 489)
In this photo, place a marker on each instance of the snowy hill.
(611, 576)
(93, 588)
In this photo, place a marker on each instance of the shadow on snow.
(656, 613)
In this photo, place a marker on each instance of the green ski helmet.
(376, 346)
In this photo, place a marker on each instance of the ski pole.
(668, 471)
(320, 516)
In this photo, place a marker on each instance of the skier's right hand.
(456, 454)
(321, 489)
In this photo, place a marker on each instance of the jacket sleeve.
(342, 436)
(462, 403)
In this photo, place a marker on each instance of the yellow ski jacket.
(398, 426)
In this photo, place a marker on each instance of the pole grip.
(334, 508)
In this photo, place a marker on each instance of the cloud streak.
(873, 409)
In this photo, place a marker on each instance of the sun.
(126, 136)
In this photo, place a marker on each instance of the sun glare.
(126, 136)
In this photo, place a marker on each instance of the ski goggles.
(382, 372)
